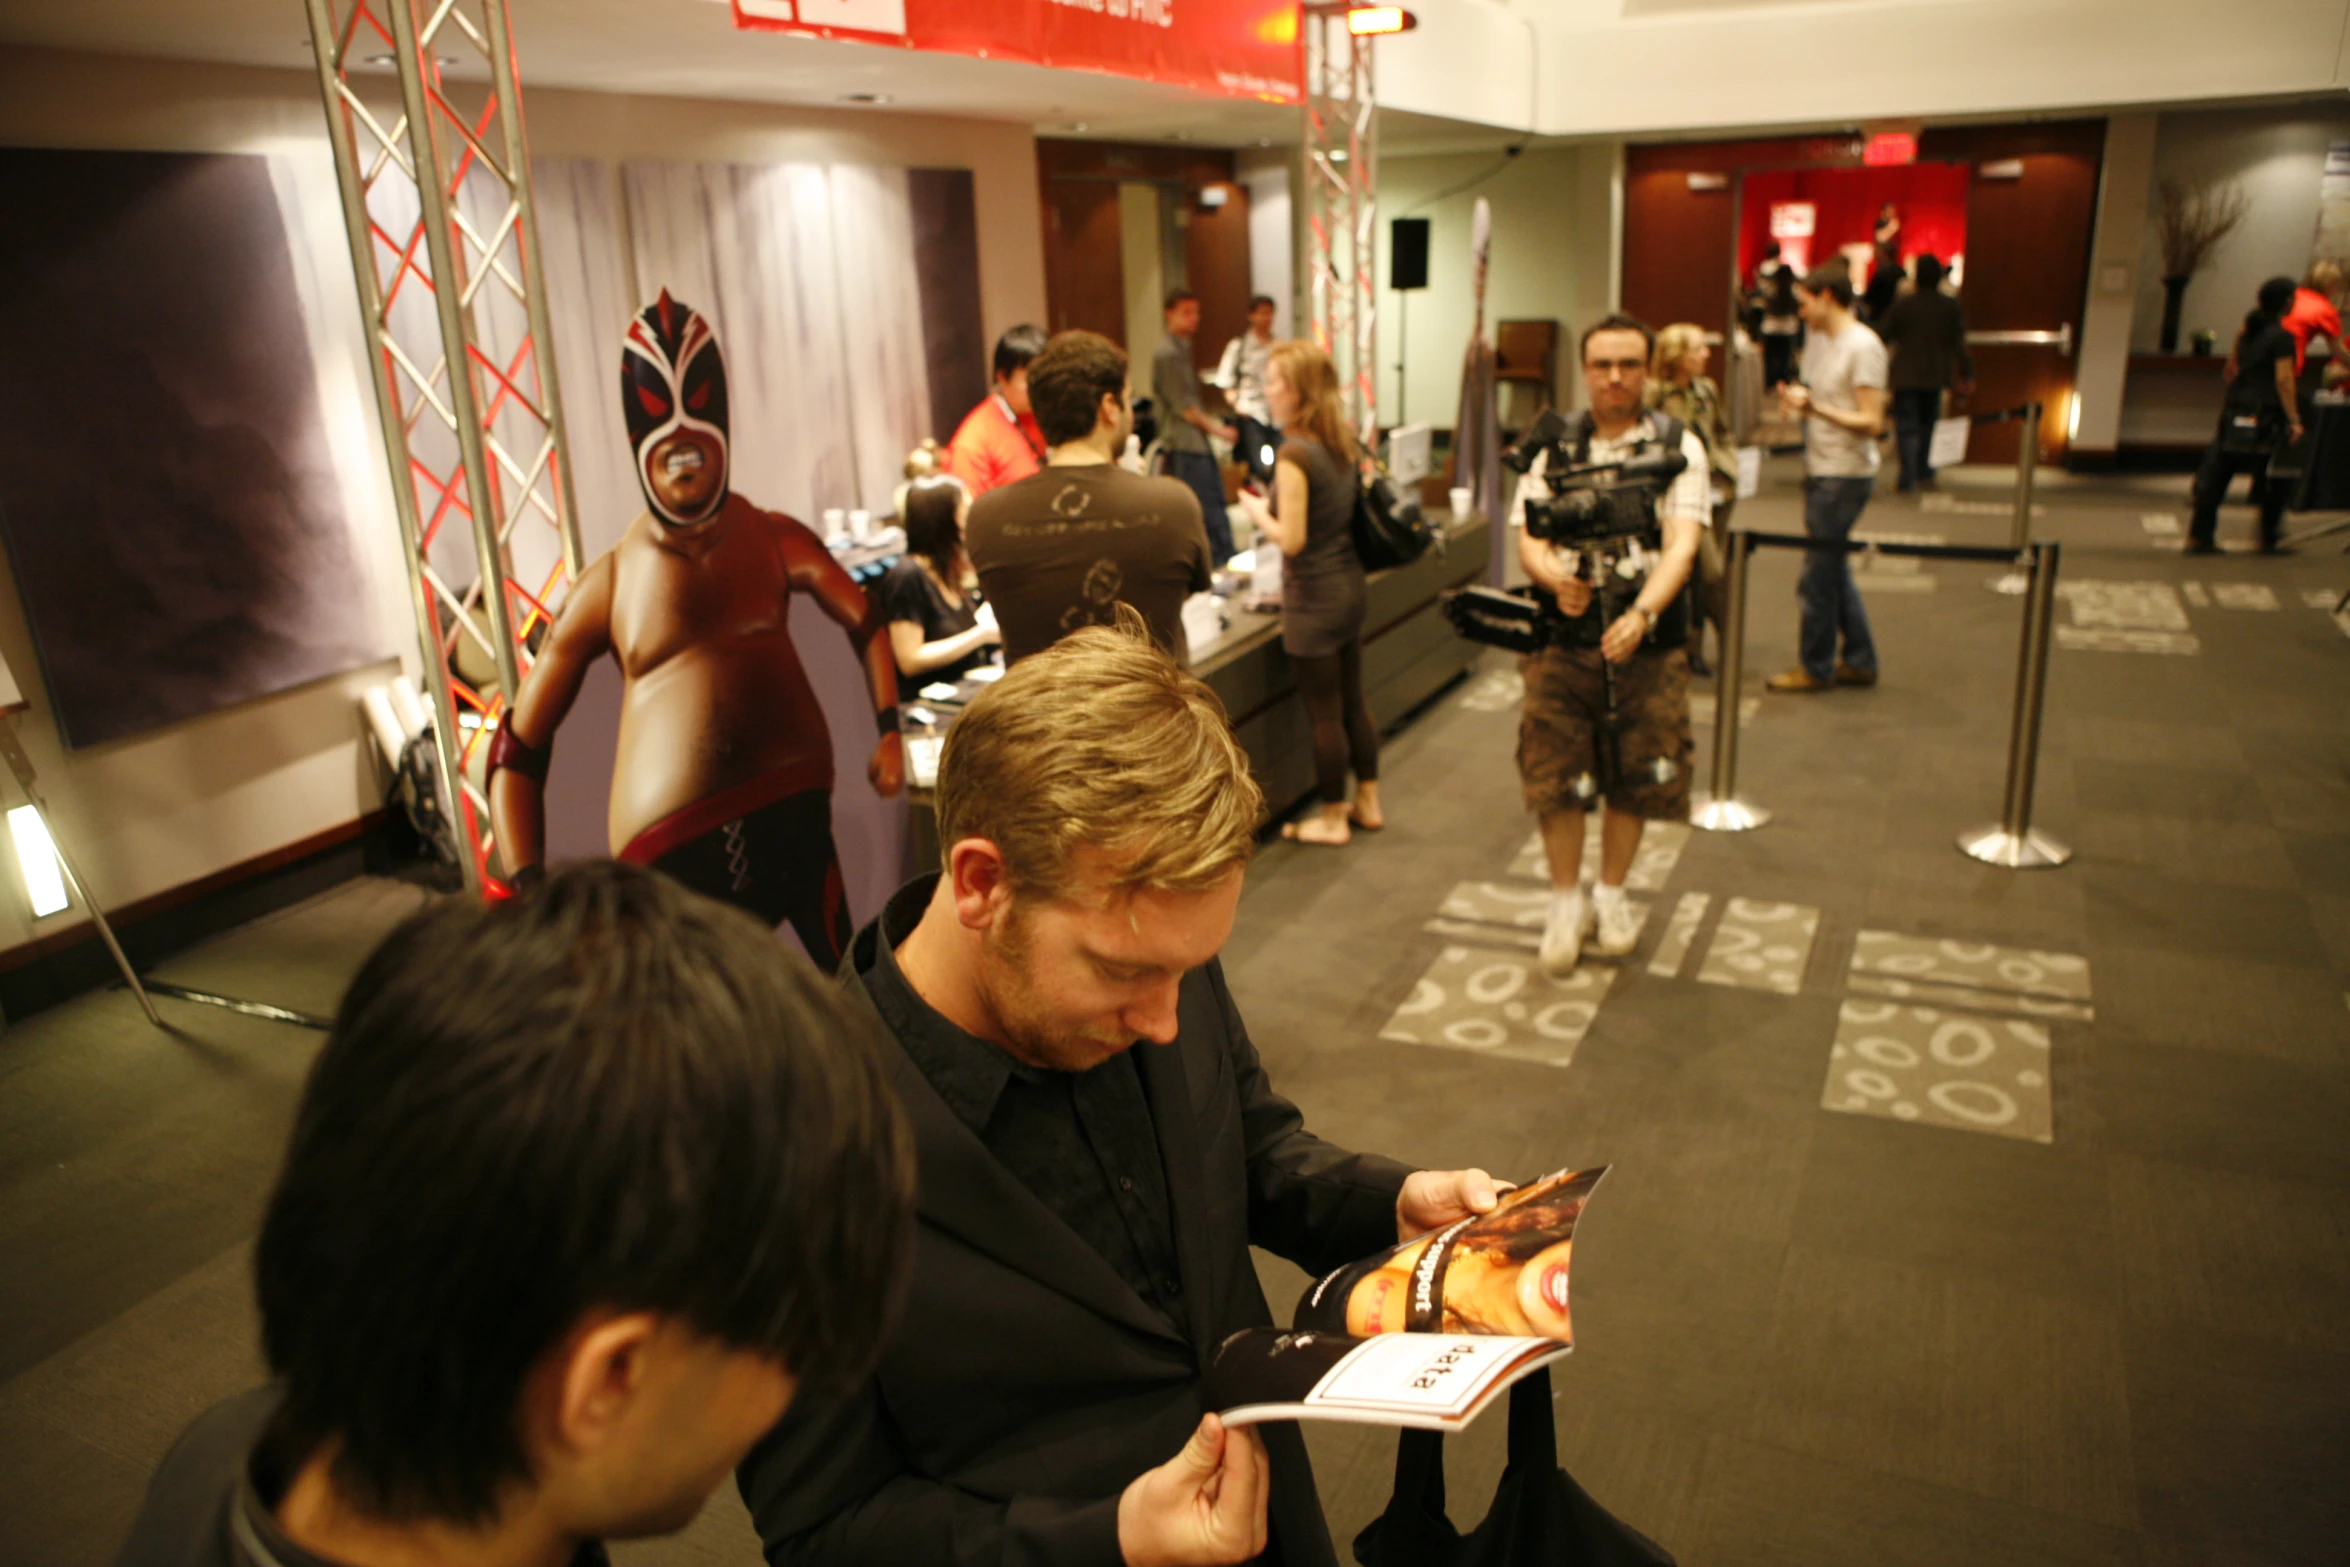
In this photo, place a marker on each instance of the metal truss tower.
(444, 241)
(1342, 188)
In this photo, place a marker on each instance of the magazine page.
(1432, 1381)
(1502, 1273)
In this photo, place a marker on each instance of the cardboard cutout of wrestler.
(723, 776)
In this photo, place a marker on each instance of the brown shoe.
(1846, 675)
(1796, 679)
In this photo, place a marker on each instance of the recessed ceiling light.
(1080, 128)
(866, 97)
(387, 60)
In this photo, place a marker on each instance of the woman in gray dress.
(1323, 596)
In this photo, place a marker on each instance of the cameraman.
(1563, 754)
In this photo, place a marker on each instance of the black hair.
(609, 1092)
(1266, 300)
(1177, 296)
(1831, 279)
(1015, 348)
(933, 530)
(1617, 322)
(1068, 381)
(1929, 271)
(1770, 250)
(2276, 296)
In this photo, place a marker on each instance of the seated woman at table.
(938, 628)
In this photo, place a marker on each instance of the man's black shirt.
(1083, 1142)
(2255, 385)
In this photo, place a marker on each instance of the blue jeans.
(1914, 413)
(1830, 598)
(1199, 471)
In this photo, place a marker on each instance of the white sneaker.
(1562, 933)
(1618, 921)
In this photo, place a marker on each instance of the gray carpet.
(1812, 1328)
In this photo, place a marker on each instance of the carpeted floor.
(1956, 1215)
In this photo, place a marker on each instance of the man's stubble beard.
(1006, 987)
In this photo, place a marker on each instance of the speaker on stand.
(1407, 271)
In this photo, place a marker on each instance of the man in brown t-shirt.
(1063, 547)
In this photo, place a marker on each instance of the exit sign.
(1890, 148)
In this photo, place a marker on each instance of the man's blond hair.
(1101, 741)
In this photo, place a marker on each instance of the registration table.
(1410, 653)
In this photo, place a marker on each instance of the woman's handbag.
(1389, 528)
(1540, 1516)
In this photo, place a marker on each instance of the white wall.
(1556, 221)
(2114, 267)
(1661, 65)
(2278, 155)
(160, 810)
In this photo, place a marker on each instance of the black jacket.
(1026, 1384)
(1926, 333)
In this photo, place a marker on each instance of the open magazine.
(1426, 1334)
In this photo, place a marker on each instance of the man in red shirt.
(998, 441)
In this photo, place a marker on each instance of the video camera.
(1591, 502)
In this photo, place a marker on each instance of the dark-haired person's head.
(581, 1188)
(2276, 296)
(933, 520)
(1077, 386)
(1824, 294)
(1929, 271)
(1013, 353)
(1770, 250)
(1261, 311)
(1615, 350)
(1182, 312)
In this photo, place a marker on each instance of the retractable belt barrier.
(2011, 841)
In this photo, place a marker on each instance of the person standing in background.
(1324, 595)
(998, 441)
(1778, 320)
(1679, 386)
(1925, 333)
(1885, 264)
(2260, 411)
(1184, 426)
(1065, 546)
(1841, 401)
(1241, 376)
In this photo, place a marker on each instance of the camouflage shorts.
(1558, 733)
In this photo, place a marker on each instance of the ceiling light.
(1080, 128)
(387, 61)
(1365, 20)
(866, 97)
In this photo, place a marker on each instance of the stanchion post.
(2027, 469)
(1722, 810)
(2012, 841)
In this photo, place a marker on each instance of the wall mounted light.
(36, 861)
(1366, 20)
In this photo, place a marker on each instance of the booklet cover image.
(1426, 1334)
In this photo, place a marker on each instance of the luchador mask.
(672, 378)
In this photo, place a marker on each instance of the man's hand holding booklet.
(1425, 1334)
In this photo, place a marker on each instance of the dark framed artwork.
(168, 498)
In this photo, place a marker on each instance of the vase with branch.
(2190, 223)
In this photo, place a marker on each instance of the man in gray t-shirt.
(1841, 399)
(1184, 426)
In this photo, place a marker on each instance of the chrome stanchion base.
(1995, 845)
(1708, 814)
(2014, 585)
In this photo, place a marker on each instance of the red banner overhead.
(1238, 48)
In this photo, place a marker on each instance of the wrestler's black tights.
(779, 863)
(1332, 686)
